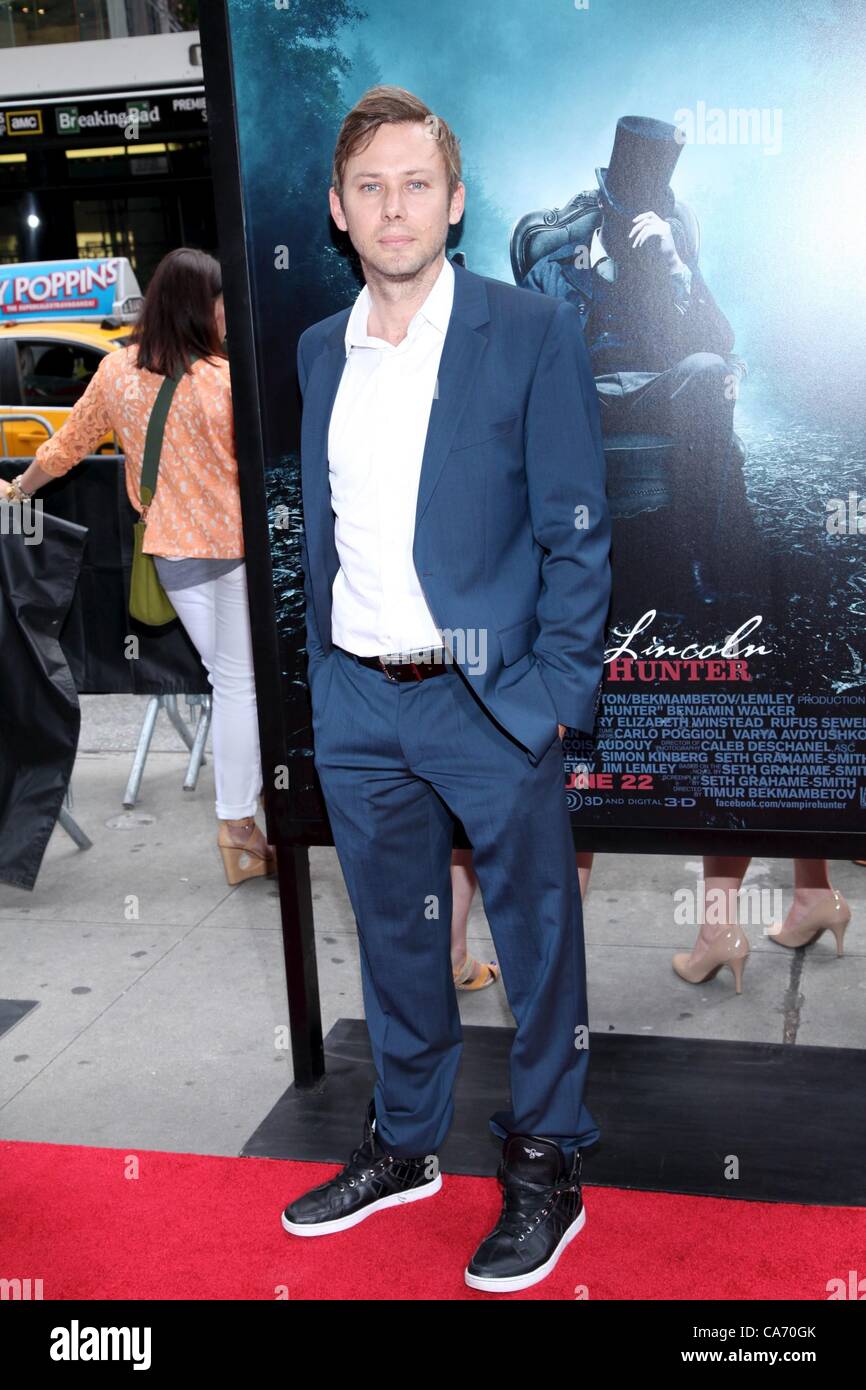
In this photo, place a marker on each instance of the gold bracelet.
(18, 494)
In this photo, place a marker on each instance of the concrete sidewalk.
(161, 990)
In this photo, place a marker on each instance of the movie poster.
(691, 178)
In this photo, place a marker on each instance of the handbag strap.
(154, 435)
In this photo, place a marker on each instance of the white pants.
(216, 617)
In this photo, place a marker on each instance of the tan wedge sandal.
(489, 973)
(248, 857)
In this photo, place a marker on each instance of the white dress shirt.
(376, 439)
(596, 249)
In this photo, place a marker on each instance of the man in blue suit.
(456, 539)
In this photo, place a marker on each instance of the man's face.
(395, 201)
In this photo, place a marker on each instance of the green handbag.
(148, 601)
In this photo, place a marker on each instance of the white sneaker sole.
(342, 1223)
(535, 1276)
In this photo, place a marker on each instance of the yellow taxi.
(58, 319)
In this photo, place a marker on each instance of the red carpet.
(209, 1228)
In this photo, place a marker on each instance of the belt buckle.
(384, 665)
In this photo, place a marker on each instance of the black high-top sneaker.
(542, 1210)
(372, 1180)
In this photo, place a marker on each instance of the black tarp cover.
(40, 715)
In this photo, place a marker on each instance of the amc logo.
(24, 122)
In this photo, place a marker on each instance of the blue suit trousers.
(393, 759)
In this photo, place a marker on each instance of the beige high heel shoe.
(827, 916)
(242, 857)
(730, 947)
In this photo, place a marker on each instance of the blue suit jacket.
(513, 450)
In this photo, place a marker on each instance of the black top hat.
(645, 152)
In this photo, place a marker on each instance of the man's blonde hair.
(390, 106)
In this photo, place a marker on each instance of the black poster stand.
(299, 945)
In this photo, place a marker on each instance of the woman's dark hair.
(177, 317)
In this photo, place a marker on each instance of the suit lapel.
(461, 357)
(322, 385)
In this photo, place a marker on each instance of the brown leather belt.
(431, 663)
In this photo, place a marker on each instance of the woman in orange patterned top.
(194, 526)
